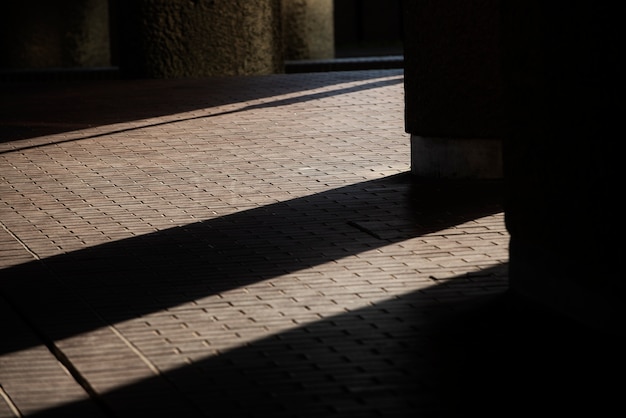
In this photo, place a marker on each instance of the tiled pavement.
(254, 246)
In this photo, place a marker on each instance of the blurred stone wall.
(189, 38)
(43, 34)
(166, 38)
(308, 29)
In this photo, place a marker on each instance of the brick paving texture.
(249, 246)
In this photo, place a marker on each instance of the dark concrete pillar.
(191, 38)
(547, 78)
(452, 78)
(563, 88)
(45, 34)
(308, 29)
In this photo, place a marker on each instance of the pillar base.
(456, 158)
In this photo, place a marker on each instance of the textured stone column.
(45, 34)
(308, 29)
(191, 38)
(452, 79)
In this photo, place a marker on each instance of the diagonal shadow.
(412, 356)
(29, 110)
(268, 104)
(373, 361)
(132, 277)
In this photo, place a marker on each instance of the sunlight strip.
(211, 326)
(118, 128)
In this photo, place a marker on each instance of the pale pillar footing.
(459, 158)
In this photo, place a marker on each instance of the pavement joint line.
(77, 375)
(141, 356)
(132, 347)
(63, 360)
(58, 354)
(67, 363)
(22, 243)
(12, 406)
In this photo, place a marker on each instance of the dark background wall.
(178, 37)
(368, 27)
(40, 34)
